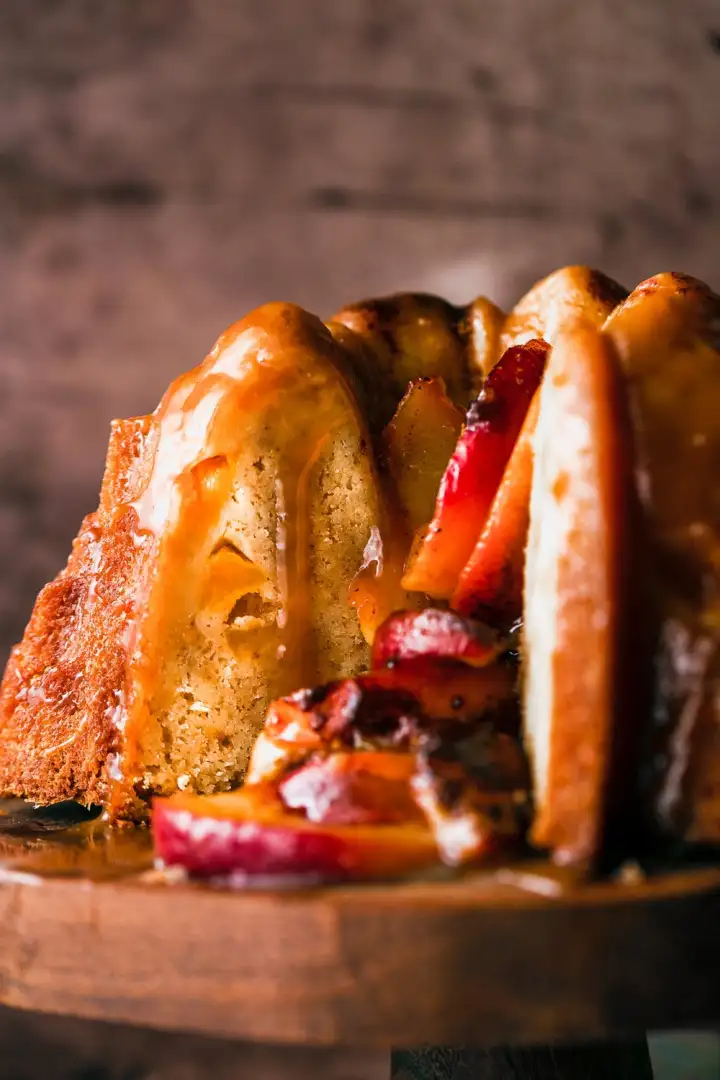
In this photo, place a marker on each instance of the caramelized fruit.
(436, 634)
(473, 475)
(361, 787)
(248, 834)
(491, 582)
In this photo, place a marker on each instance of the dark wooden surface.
(34, 1047)
(622, 1061)
(444, 964)
(53, 1048)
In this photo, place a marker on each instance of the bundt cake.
(214, 575)
(389, 478)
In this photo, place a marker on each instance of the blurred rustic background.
(165, 166)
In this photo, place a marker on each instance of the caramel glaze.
(371, 350)
(69, 842)
(277, 354)
(80, 691)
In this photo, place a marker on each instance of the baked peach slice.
(436, 634)
(448, 693)
(249, 834)
(491, 582)
(392, 707)
(470, 824)
(416, 446)
(574, 594)
(377, 706)
(367, 787)
(475, 470)
(350, 815)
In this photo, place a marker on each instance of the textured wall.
(165, 166)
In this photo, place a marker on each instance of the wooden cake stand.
(520, 956)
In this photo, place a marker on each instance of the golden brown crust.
(63, 684)
(411, 336)
(575, 293)
(661, 657)
(575, 595)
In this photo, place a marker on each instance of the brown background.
(166, 165)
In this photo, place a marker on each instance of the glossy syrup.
(296, 652)
(68, 841)
(277, 375)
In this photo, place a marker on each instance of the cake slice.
(622, 578)
(212, 578)
(666, 336)
(575, 598)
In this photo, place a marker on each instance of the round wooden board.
(478, 961)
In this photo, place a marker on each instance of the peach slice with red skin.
(475, 470)
(347, 815)
(425, 694)
(436, 634)
(386, 708)
(249, 834)
(415, 446)
(491, 582)
(360, 787)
